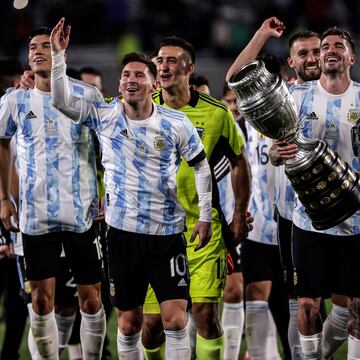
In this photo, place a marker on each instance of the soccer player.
(304, 48)
(14, 309)
(58, 201)
(325, 261)
(216, 127)
(142, 144)
(304, 54)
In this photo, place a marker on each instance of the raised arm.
(62, 99)
(271, 27)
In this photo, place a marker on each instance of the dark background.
(104, 30)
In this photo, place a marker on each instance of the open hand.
(27, 80)
(240, 227)
(9, 216)
(59, 38)
(6, 251)
(203, 229)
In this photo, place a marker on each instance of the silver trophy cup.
(327, 187)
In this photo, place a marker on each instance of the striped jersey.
(141, 159)
(284, 193)
(329, 117)
(262, 188)
(57, 176)
(215, 125)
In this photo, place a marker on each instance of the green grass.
(24, 353)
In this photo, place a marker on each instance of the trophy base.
(327, 187)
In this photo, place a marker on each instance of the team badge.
(353, 116)
(51, 128)
(261, 136)
(160, 143)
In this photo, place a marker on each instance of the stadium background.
(104, 30)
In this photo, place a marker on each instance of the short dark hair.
(90, 70)
(225, 89)
(135, 57)
(306, 34)
(272, 63)
(44, 30)
(198, 80)
(180, 42)
(334, 30)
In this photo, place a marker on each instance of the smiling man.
(58, 201)
(304, 48)
(142, 144)
(215, 124)
(326, 262)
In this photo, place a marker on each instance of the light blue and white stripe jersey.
(141, 159)
(284, 193)
(329, 117)
(262, 188)
(56, 161)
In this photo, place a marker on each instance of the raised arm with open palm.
(60, 35)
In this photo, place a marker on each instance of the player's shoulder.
(171, 114)
(13, 95)
(211, 103)
(156, 96)
(356, 85)
(308, 85)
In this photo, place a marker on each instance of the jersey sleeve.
(78, 109)
(7, 122)
(189, 143)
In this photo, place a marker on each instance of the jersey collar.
(194, 97)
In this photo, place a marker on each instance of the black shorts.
(82, 250)
(325, 264)
(260, 262)
(65, 291)
(135, 260)
(284, 236)
(235, 254)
